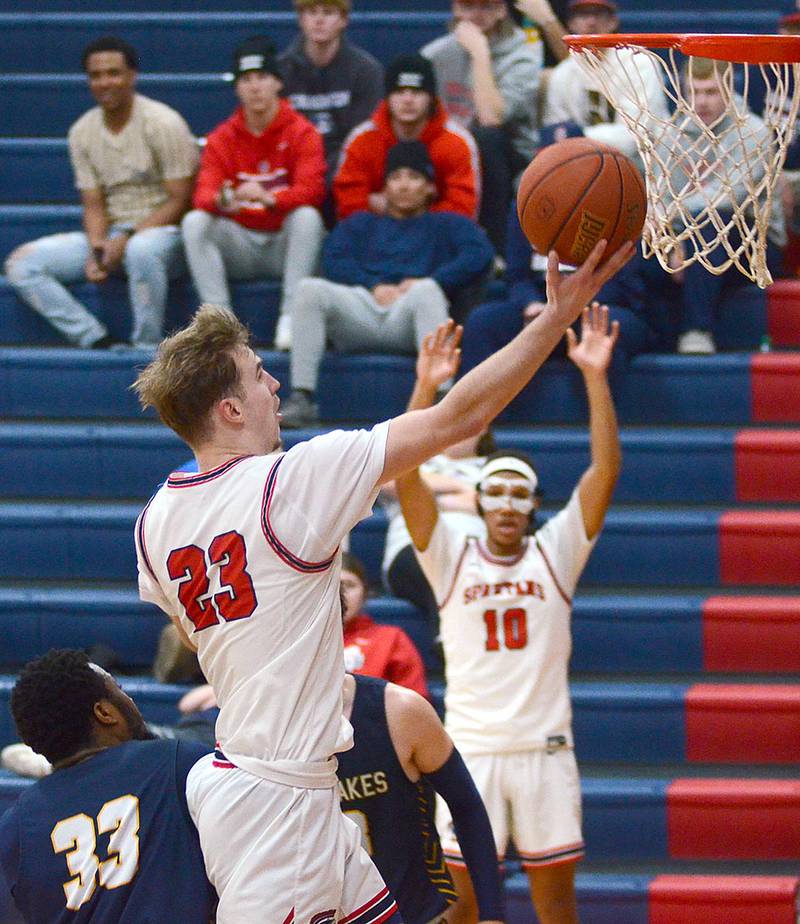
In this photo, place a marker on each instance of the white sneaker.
(283, 333)
(697, 342)
(22, 760)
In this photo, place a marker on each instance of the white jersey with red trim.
(505, 625)
(246, 555)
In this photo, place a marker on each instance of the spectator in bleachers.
(372, 648)
(702, 291)
(261, 181)
(134, 161)
(488, 74)
(494, 324)
(389, 279)
(411, 111)
(573, 106)
(334, 84)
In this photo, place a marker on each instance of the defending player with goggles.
(504, 606)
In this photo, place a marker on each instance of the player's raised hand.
(440, 355)
(592, 354)
(567, 295)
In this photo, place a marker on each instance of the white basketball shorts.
(278, 854)
(532, 797)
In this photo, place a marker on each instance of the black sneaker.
(298, 411)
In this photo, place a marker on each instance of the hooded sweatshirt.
(286, 159)
(451, 148)
(516, 65)
(334, 98)
(697, 182)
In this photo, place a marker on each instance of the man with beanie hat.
(489, 74)
(261, 181)
(411, 112)
(333, 83)
(389, 278)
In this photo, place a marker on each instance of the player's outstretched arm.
(425, 749)
(480, 396)
(592, 355)
(438, 361)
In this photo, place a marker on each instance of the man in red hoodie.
(261, 181)
(411, 112)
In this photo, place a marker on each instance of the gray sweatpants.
(353, 321)
(219, 248)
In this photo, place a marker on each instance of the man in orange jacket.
(411, 112)
(261, 181)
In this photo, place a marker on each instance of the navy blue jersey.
(109, 839)
(396, 816)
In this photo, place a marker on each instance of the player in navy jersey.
(107, 836)
(387, 782)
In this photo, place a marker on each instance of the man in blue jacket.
(390, 279)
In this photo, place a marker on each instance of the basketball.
(577, 191)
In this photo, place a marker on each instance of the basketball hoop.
(710, 187)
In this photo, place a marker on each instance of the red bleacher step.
(767, 465)
(723, 900)
(733, 819)
(751, 634)
(743, 723)
(775, 384)
(760, 547)
(783, 312)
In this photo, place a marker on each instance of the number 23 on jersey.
(191, 566)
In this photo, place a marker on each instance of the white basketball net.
(710, 188)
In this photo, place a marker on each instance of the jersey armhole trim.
(565, 597)
(294, 561)
(140, 540)
(455, 574)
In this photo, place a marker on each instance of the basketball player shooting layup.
(243, 556)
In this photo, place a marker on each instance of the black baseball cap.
(256, 53)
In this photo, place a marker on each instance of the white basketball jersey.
(246, 555)
(505, 625)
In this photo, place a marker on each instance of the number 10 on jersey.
(514, 626)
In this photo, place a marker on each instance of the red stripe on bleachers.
(751, 634)
(759, 547)
(743, 723)
(723, 900)
(711, 819)
(775, 385)
(783, 312)
(767, 464)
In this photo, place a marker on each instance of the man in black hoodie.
(334, 84)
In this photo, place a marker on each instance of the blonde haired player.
(244, 558)
(505, 606)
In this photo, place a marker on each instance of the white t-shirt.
(505, 627)
(246, 555)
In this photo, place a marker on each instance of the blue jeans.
(41, 270)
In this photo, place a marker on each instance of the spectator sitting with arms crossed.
(389, 279)
(411, 112)
(134, 160)
(262, 177)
